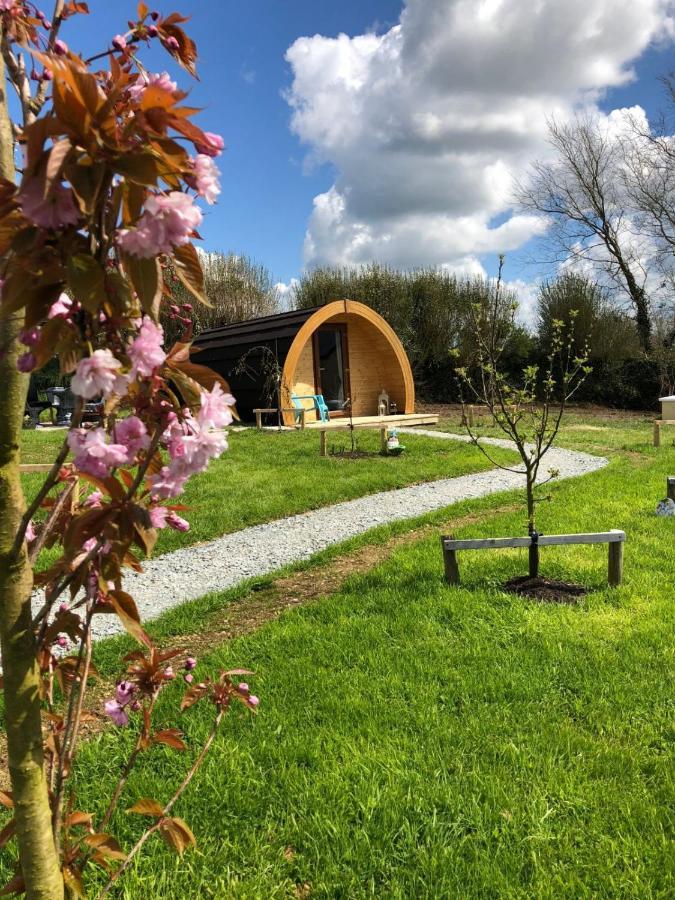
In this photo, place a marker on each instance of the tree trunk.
(533, 552)
(37, 854)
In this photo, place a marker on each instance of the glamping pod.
(343, 351)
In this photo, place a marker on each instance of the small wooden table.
(384, 423)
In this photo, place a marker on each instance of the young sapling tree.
(529, 408)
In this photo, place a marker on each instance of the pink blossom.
(168, 482)
(132, 433)
(61, 307)
(243, 687)
(123, 691)
(7, 5)
(26, 362)
(93, 454)
(215, 411)
(30, 532)
(145, 351)
(97, 375)
(60, 47)
(93, 501)
(188, 677)
(190, 663)
(161, 80)
(177, 523)
(253, 701)
(29, 336)
(119, 42)
(171, 43)
(158, 516)
(169, 673)
(205, 178)
(89, 545)
(167, 222)
(213, 144)
(152, 31)
(116, 712)
(63, 607)
(56, 210)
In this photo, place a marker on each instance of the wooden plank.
(451, 566)
(545, 540)
(375, 422)
(615, 564)
(35, 467)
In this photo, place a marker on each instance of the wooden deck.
(384, 423)
(403, 421)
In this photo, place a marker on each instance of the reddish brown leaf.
(189, 270)
(78, 818)
(7, 799)
(177, 834)
(15, 886)
(147, 807)
(127, 611)
(172, 737)
(106, 845)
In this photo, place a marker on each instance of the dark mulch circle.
(545, 589)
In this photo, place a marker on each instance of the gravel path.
(187, 574)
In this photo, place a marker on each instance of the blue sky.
(267, 194)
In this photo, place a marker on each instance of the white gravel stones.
(187, 574)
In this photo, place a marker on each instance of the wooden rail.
(614, 539)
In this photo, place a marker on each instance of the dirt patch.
(545, 590)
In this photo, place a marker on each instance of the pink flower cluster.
(98, 375)
(161, 517)
(145, 351)
(167, 222)
(95, 456)
(63, 307)
(205, 178)
(193, 442)
(56, 210)
(160, 80)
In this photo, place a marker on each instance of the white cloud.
(428, 123)
(285, 292)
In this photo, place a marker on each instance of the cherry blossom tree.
(102, 202)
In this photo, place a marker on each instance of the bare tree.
(582, 193)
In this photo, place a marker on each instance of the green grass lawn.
(267, 475)
(417, 740)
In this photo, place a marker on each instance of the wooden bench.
(615, 540)
(384, 423)
(300, 413)
(657, 429)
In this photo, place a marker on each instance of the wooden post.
(615, 563)
(324, 443)
(303, 412)
(258, 419)
(670, 487)
(471, 419)
(383, 439)
(451, 567)
(657, 433)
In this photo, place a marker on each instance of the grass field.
(416, 740)
(267, 475)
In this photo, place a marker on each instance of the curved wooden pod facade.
(372, 358)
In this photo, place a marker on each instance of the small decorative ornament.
(665, 507)
(383, 403)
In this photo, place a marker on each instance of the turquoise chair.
(319, 403)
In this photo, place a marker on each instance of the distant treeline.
(430, 310)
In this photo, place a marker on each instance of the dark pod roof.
(268, 328)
